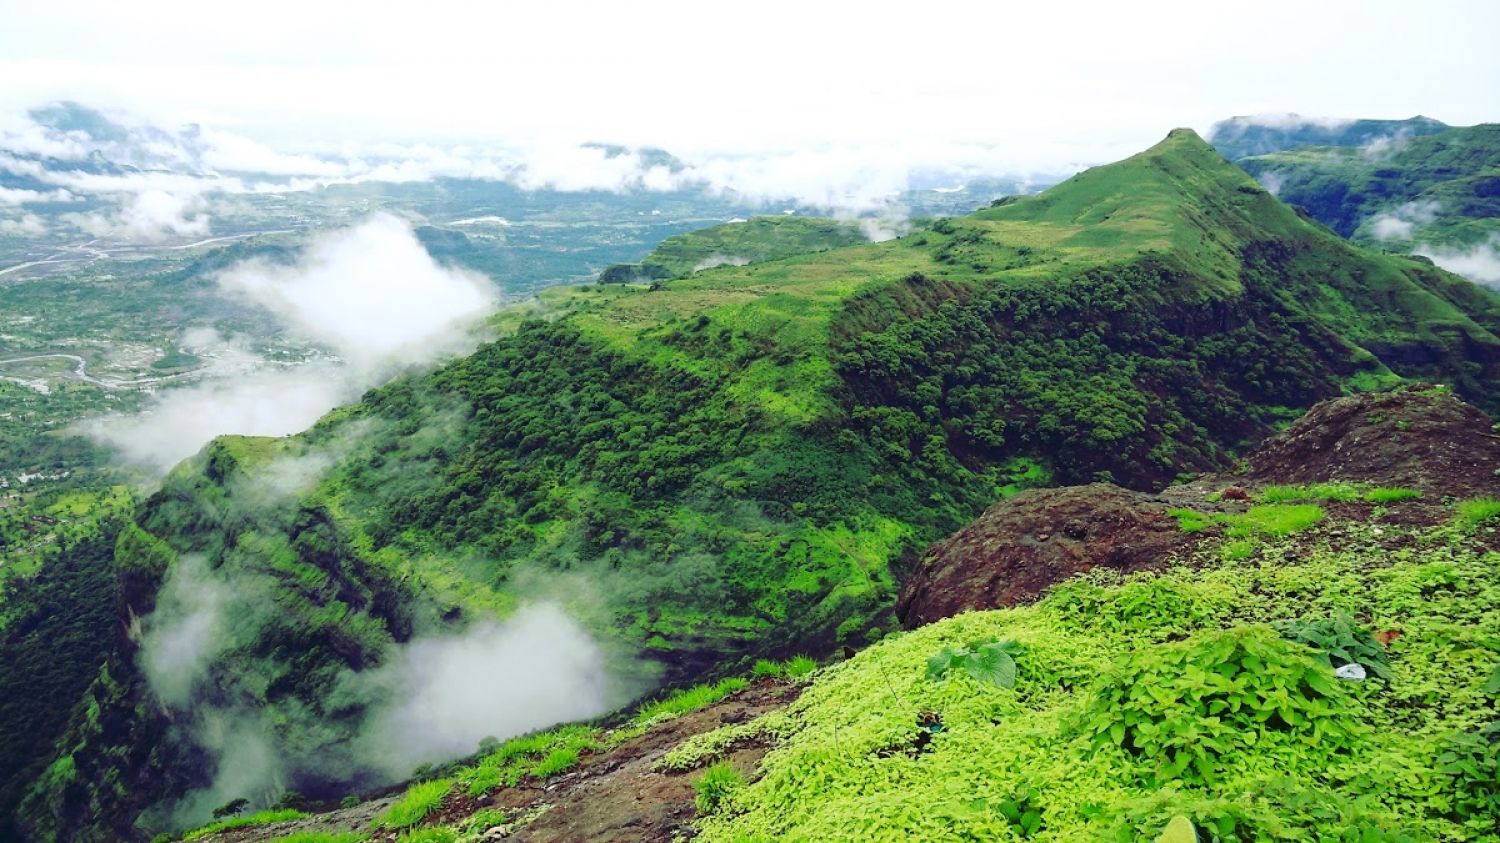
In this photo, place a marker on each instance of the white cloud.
(445, 694)
(1480, 264)
(370, 292)
(22, 196)
(1401, 222)
(27, 225)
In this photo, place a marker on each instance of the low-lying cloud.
(431, 699)
(443, 695)
(1479, 263)
(1401, 223)
(369, 293)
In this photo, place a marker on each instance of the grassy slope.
(740, 457)
(1459, 170)
(756, 240)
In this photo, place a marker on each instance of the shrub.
(557, 761)
(321, 837)
(1337, 492)
(419, 800)
(436, 834)
(689, 699)
(716, 784)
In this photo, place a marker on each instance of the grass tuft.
(419, 800)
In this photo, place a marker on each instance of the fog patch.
(445, 694)
(715, 261)
(1480, 264)
(179, 422)
(1401, 223)
(371, 293)
(186, 631)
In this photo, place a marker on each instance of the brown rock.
(1024, 544)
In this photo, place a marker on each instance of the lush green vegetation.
(1206, 693)
(1472, 513)
(742, 459)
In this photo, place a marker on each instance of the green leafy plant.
(715, 785)
(1339, 641)
(1021, 811)
(1179, 830)
(1182, 708)
(557, 761)
(993, 662)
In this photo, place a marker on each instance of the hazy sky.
(1048, 81)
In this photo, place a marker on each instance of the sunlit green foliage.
(1157, 696)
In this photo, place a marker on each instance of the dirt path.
(613, 796)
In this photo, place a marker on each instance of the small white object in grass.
(1351, 671)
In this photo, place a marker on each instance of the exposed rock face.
(1420, 437)
(1024, 544)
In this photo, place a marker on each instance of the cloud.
(26, 225)
(1480, 264)
(444, 694)
(186, 631)
(1401, 223)
(23, 196)
(179, 422)
(370, 292)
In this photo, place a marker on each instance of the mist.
(430, 699)
(371, 294)
(498, 679)
(1480, 263)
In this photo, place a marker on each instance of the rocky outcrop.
(1024, 544)
(1420, 437)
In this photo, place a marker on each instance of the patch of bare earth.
(614, 795)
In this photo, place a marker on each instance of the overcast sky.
(1048, 82)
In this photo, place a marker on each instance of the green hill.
(1440, 189)
(740, 462)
